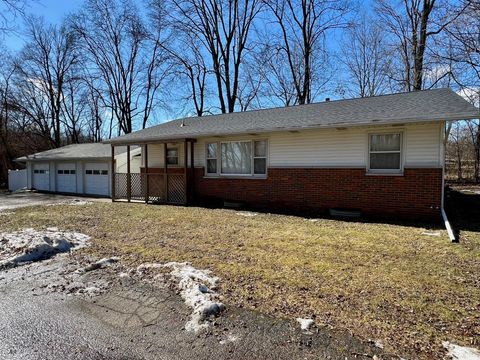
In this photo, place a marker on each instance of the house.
(77, 169)
(383, 156)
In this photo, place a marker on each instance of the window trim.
(398, 171)
(252, 158)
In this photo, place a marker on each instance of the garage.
(83, 169)
(97, 179)
(66, 178)
(41, 177)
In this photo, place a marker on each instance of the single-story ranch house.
(381, 155)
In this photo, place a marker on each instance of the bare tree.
(44, 66)
(11, 8)
(412, 24)
(366, 59)
(125, 56)
(302, 27)
(223, 27)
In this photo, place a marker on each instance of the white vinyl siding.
(156, 157)
(339, 147)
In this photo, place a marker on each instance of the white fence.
(17, 179)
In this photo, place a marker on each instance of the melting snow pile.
(457, 352)
(74, 202)
(196, 290)
(31, 245)
(305, 324)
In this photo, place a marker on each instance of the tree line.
(116, 66)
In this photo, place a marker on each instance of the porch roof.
(420, 106)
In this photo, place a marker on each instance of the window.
(237, 158)
(88, 172)
(212, 158)
(66, 172)
(95, 172)
(385, 152)
(172, 156)
(260, 157)
(40, 171)
(104, 172)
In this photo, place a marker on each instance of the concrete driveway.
(11, 201)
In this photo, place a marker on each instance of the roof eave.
(147, 140)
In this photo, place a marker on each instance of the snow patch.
(74, 202)
(305, 324)
(246, 213)
(461, 352)
(196, 290)
(30, 245)
(229, 339)
(432, 233)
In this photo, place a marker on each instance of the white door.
(97, 179)
(41, 177)
(66, 178)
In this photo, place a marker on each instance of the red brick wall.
(415, 194)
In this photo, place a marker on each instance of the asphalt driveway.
(11, 201)
(135, 320)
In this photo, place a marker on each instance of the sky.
(52, 10)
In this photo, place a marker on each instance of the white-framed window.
(40, 171)
(385, 152)
(96, 172)
(211, 158)
(172, 156)
(241, 158)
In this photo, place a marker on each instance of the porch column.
(165, 168)
(129, 180)
(192, 170)
(147, 196)
(112, 173)
(185, 171)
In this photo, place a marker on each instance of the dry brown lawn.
(380, 281)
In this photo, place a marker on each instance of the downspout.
(450, 232)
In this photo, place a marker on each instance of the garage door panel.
(41, 177)
(66, 178)
(97, 179)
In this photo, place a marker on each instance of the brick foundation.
(414, 195)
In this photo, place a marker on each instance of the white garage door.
(96, 179)
(41, 177)
(66, 178)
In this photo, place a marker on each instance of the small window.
(260, 157)
(72, 172)
(96, 172)
(172, 156)
(385, 152)
(212, 158)
(104, 172)
(60, 172)
(88, 172)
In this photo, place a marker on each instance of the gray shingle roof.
(420, 106)
(88, 151)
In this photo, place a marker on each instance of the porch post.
(185, 172)
(192, 170)
(113, 173)
(165, 176)
(147, 196)
(129, 180)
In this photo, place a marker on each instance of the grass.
(380, 281)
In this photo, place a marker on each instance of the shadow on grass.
(463, 209)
